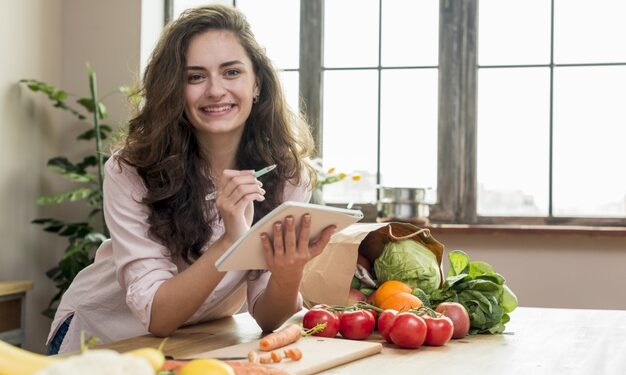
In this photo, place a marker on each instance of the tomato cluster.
(354, 324)
(409, 329)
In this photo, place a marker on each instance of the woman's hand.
(289, 251)
(235, 195)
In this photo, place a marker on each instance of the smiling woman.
(213, 112)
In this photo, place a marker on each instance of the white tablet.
(247, 252)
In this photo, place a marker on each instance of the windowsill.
(527, 229)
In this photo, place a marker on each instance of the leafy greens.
(480, 289)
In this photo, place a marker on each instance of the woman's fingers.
(291, 248)
(305, 232)
(289, 235)
(316, 247)
(279, 248)
(237, 184)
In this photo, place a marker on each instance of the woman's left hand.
(289, 251)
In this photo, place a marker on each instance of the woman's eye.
(231, 73)
(191, 78)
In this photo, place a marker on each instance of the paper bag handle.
(426, 232)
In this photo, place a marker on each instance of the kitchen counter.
(536, 341)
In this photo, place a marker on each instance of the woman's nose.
(214, 88)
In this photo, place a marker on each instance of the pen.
(257, 174)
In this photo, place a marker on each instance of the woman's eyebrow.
(222, 65)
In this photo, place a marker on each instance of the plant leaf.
(65, 168)
(91, 134)
(53, 93)
(72, 196)
(87, 103)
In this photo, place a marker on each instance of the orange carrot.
(294, 354)
(278, 339)
(276, 357)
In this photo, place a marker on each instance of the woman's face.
(220, 83)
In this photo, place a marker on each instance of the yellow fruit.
(17, 361)
(204, 366)
(154, 356)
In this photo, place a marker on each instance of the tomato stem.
(319, 327)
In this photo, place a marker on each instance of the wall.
(51, 40)
(552, 270)
(30, 36)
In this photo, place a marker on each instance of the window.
(281, 43)
(525, 129)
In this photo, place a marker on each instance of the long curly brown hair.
(161, 142)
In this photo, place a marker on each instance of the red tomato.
(316, 316)
(439, 330)
(356, 325)
(385, 320)
(408, 330)
(374, 314)
(459, 316)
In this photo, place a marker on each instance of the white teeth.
(217, 109)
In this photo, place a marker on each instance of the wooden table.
(537, 341)
(13, 310)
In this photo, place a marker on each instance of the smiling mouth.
(217, 109)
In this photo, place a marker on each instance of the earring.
(255, 99)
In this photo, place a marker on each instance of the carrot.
(278, 339)
(294, 354)
(276, 357)
(253, 357)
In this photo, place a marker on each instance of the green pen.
(257, 174)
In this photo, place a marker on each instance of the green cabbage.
(410, 262)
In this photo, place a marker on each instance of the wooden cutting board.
(318, 353)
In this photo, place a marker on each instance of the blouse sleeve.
(256, 285)
(141, 263)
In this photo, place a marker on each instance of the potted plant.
(84, 236)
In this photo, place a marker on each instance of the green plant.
(86, 235)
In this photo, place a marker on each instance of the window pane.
(179, 6)
(280, 38)
(351, 33)
(410, 33)
(409, 128)
(589, 134)
(513, 141)
(350, 132)
(589, 31)
(513, 32)
(290, 82)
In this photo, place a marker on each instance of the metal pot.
(400, 194)
(405, 204)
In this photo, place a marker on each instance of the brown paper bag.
(327, 277)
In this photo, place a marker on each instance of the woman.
(213, 112)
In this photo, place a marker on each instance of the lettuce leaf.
(477, 286)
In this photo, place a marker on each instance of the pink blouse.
(111, 298)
